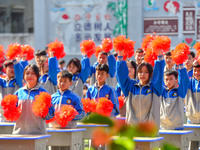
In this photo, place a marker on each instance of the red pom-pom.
(88, 47)
(66, 114)
(118, 43)
(180, 53)
(89, 105)
(9, 105)
(93, 105)
(28, 51)
(57, 47)
(197, 47)
(13, 50)
(1, 52)
(160, 43)
(150, 56)
(86, 104)
(98, 50)
(104, 107)
(121, 101)
(107, 45)
(42, 104)
(146, 41)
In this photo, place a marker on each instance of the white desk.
(23, 142)
(6, 127)
(178, 138)
(66, 137)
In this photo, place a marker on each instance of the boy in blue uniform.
(101, 89)
(189, 64)
(65, 97)
(172, 100)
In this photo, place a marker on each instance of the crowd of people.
(167, 94)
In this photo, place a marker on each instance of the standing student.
(28, 123)
(169, 63)
(142, 97)
(172, 100)
(48, 70)
(139, 54)
(189, 64)
(81, 72)
(66, 97)
(101, 89)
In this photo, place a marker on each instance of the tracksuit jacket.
(28, 123)
(142, 102)
(172, 103)
(49, 80)
(67, 98)
(80, 78)
(107, 91)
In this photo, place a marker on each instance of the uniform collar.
(35, 88)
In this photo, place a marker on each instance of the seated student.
(48, 70)
(139, 54)
(105, 58)
(142, 96)
(28, 123)
(172, 99)
(192, 100)
(80, 72)
(101, 89)
(66, 97)
(189, 64)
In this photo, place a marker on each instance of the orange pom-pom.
(121, 101)
(98, 50)
(86, 104)
(146, 41)
(107, 45)
(197, 47)
(150, 56)
(13, 50)
(42, 104)
(57, 47)
(88, 47)
(180, 53)
(118, 43)
(11, 110)
(160, 43)
(1, 52)
(104, 107)
(66, 114)
(93, 105)
(28, 51)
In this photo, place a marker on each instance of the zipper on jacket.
(59, 105)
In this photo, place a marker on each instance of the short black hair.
(61, 61)
(8, 63)
(102, 67)
(168, 53)
(196, 64)
(171, 72)
(65, 74)
(41, 52)
(192, 54)
(102, 52)
(139, 50)
(76, 62)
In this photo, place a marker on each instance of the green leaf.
(193, 43)
(122, 143)
(128, 131)
(98, 119)
(169, 147)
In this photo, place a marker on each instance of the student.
(80, 71)
(28, 123)
(101, 89)
(143, 96)
(172, 100)
(169, 63)
(189, 64)
(66, 97)
(48, 70)
(62, 65)
(139, 54)
(192, 100)
(105, 58)
(132, 67)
